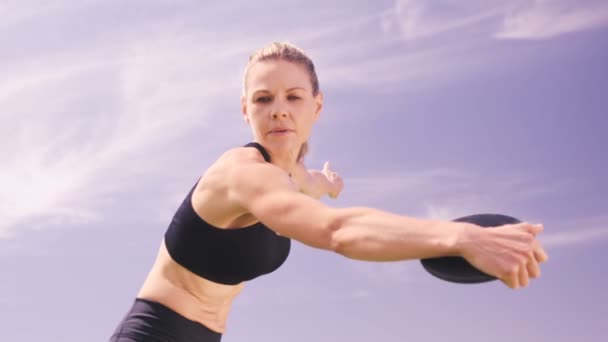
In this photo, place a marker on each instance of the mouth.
(280, 131)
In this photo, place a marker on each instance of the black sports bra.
(226, 256)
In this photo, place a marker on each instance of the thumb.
(534, 229)
(326, 166)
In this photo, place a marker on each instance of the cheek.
(308, 113)
(255, 113)
(306, 122)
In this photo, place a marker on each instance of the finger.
(510, 281)
(533, 229)
(540, 254)
(512, 278)
(525, 242)
(506, 282)
(524, 277)
(532, 265)
(326, 166)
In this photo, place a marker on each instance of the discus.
(456, 269)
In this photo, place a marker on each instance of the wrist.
(460, 240)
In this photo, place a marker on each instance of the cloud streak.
(73, 122)
(577, 237)
(542, 19)
(420, 19)
(420, 34)
(13, 12)
(82, 123)
(576, 231)
(503, 19)
(445, 193)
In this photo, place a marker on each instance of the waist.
(189, 295)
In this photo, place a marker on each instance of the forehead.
(277, 75)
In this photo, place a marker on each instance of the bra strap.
(261, 149)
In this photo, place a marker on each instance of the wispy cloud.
(540, 19)
(82, 123)
(79, 128)
(419, 34)
(525, 19)
(422, 67)
(13, 12)
(39, 165)
(418, 19)
(451, 193)
(576, 231)
(575, 237)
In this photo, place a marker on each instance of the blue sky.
(110, 110)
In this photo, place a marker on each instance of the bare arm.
(509, 252)
(357, 233)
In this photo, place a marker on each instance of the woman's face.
(279, 105)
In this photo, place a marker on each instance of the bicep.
(274, 200)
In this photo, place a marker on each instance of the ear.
(318, 105)
(244, 108)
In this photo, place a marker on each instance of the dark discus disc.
(457, 269)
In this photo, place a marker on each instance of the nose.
(277, 115)
(280, 113)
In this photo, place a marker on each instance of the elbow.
(347, 243)
(332, 231)
(341, 236)
(339, 245)
(335, 239)
(350, 236)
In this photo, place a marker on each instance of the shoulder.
(233, 182)
(247, 176)
(244, 169)
(235, 160)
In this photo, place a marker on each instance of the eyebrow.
(267, 91)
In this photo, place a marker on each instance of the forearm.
(375, 235)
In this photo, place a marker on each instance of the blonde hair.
(290, 53)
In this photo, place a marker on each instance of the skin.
(240, 189)
(317, 183)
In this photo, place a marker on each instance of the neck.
(285, 159)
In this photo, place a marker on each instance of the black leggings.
(149, 321)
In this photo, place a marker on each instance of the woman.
(238, 220)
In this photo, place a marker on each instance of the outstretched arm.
(510, 253)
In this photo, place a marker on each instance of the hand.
(509, 252)
(335, 181)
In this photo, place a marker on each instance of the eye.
(293, 97)
(263, 99)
